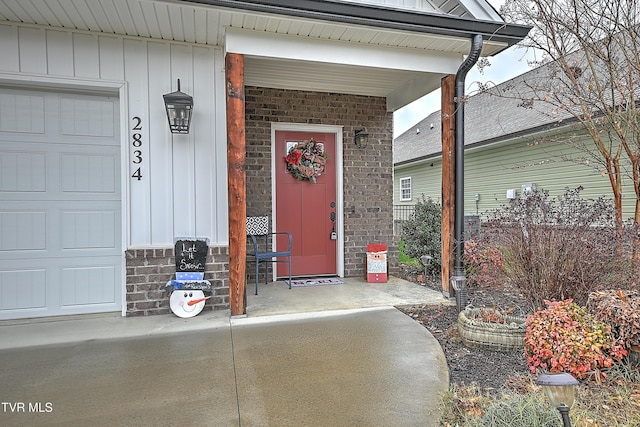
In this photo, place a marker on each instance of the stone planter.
(476, 333)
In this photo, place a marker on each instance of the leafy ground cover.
(496, 389)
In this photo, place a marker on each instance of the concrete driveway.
(363, 367)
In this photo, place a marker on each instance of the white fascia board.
(263, 44)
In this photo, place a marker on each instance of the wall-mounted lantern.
(179, 106)
(361, 139)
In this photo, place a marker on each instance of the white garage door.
(60, 204)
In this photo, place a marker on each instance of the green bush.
(422, 232)
(405, 259)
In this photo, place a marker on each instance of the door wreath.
(306, 161)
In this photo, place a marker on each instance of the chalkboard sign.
(191, 255)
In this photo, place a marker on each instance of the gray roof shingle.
(494, 115)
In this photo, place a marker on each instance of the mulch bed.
(486, 369)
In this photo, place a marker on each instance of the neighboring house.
(95, 188)
(510, 147)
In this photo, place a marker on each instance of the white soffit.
(269, 45)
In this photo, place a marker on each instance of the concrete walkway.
(367, 366)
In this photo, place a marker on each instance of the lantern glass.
(458, 282)
(560, 388)
(361, 138)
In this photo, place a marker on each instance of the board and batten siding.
(183, 188)
(491, 171)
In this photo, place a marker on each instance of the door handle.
(333, 235)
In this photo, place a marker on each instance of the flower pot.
(476, 333)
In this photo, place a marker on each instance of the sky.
(504, 66)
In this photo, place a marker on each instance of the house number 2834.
(136, 144)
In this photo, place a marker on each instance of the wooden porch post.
(237, 192)
(448, 179)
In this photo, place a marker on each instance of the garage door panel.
(87, 285)
(22, 113)
(81, 286)
(58, 172)
(87, 117)
(23, 230)
(89, 229)
(22, 171)
(22, 289)
(86, 173)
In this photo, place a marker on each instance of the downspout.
(459, 280)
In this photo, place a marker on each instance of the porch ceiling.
(291, 74)
(207, 22)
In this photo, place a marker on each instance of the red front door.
(305, 209)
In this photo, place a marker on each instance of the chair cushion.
(258, 225)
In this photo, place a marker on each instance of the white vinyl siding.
(183, 190)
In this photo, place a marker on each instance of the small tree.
(591, 52)
(422, 233)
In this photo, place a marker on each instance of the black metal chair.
(263, 242)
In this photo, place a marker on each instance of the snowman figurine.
(187, 290)
(187, 303)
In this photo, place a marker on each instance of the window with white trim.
(405, 189)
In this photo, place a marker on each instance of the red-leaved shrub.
(564, 337)
(483, 263)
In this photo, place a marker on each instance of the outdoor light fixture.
(561, 390)
(459, 284)
(361, 138)
(179, 106)
(425, 260)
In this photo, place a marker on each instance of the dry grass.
(614, 403)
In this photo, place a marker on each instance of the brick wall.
(368, 179)
(148, 271)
